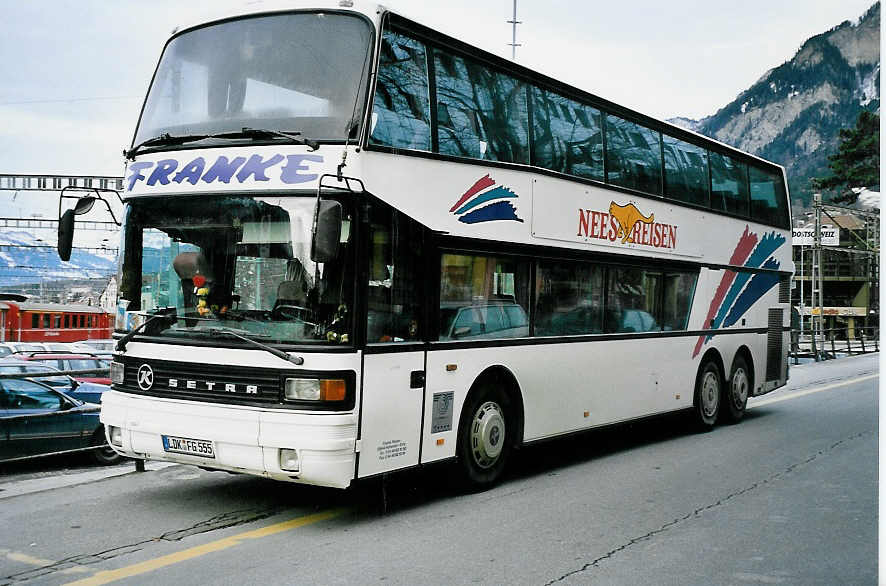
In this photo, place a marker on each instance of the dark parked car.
(72, 362)
(82, 391)
(37, 420)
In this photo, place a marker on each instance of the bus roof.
(371, 10)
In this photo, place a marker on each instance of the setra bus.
(354, 245)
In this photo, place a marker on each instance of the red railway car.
(24, 321)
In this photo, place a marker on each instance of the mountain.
(26, 258)
(793, 114)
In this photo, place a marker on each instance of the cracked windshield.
(241, 264)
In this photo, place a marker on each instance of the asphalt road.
(789, 496)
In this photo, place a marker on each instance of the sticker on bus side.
(441, 414)
(483, 202)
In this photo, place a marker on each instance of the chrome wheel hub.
(710, 394)
(487, 434)
(740, 386)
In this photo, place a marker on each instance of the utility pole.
(817, 283)
(514, 22)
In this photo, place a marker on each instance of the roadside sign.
(805, 235)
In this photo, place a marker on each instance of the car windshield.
(297, 72)
(237, 263)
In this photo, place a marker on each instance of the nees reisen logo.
(485, 203)
(627, 224)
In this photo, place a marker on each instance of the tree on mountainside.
(857, 162)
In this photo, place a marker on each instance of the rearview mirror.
(327, 236)
(83, 205)
(66, 235)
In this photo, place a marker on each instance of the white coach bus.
(354, 245)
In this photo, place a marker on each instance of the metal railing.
(837, 341)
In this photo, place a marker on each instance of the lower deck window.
(483, 297)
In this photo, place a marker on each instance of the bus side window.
(394, 277)
(633, 155)
(483, 297)
(401, 112)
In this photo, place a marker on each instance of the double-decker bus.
(354, 245)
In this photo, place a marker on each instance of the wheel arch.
(503, 378)
(745, 353)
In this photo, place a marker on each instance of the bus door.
(391, 409)
(394, 359)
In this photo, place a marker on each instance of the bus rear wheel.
(485, 437)
(735, 394)
(708, 392)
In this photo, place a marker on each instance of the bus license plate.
(191, 447)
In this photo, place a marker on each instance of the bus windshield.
(297, 72)
(235, 263)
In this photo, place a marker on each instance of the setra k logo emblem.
(145, 377)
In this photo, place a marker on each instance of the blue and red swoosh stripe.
(738, 291)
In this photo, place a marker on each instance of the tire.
(708, 394)
(103, 454)
(486, 434)
(735, 393)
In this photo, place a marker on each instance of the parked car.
(37, 420)
(486, 320)
(12, 347)
(98, 346)
(72, 362)
(83, 391)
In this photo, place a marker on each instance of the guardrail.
(837, 341)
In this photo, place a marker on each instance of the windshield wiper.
(167, 139)
(164, 139)
(297, 360)
(265, 133)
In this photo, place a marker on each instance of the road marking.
(39, 562)
(213, 546)
(811, 391)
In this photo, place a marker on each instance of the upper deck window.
(729, 185)
(572, 145)
(481, 113)
(768, 199)
(686, 171)
(633, 155)
(298, 72)
(401, 113)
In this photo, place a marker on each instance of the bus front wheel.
(485, 437)
(708, 393)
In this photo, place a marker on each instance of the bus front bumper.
(320, 447)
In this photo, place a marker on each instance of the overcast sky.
(74, 73)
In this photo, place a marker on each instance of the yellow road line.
(213, 546)
(811, 391)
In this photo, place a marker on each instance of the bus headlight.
(314, 389)
(117, 373)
